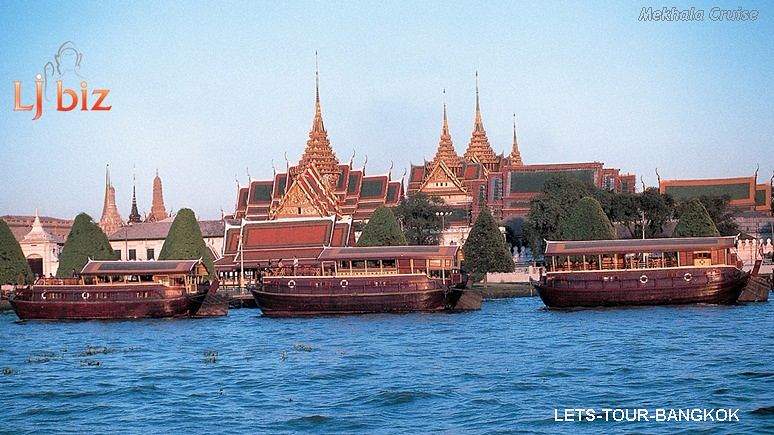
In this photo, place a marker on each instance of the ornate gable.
(307, 196)
(442, 178)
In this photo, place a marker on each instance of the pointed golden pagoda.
(318, 150)
(446, 152)
(158, 211)
(515, 154)
(479, 149)
(111, 220)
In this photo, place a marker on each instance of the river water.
(505, 368)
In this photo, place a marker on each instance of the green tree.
(417, 215)
(551, 206)
(695, 221)
(721, 214)
(485, 250)
(13, 265)
(184, 241)
(624, 210)
(586, 221)
(382, 230)
(86, 240)
(658, 209)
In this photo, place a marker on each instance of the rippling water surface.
(502, 369)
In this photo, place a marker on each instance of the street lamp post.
(443, 215)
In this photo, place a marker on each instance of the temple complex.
(503, 183)
(318, 186)
(744, 193)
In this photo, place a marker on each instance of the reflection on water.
(501, 369)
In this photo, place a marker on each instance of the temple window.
(132, 254)
(150, 254)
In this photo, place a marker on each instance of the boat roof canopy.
(387, 252)
(625, 246)
(155, 267)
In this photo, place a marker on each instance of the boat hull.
(310, 296)
(669, 286)
(74, 302)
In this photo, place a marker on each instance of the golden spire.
(478, 147)
(445, 127)
(317, 123)
(478, 124)
(318, 151)
(515, 154)
(446, 152)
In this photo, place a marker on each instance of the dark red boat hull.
(119, 302)
(309, 296)
(669, 286)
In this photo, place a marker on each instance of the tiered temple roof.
(318, 186)
(318, 150)
(38, 234)
(446, 152)
(257, 244)
(505, 185)
(479, 149)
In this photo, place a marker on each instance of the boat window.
(344, 264)
(632, 261)
(373, 264)
(702, 258)
(562, 262)
(358, 264)
(389, 264)
(612, 262)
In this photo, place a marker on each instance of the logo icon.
(65, 67)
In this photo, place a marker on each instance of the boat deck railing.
(609, 264)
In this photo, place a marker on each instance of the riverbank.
(502, 290)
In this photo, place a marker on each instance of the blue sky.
(203, 92)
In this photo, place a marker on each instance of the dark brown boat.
(366, 280)
(118, 290)
(641, 272)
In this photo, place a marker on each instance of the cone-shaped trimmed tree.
(185, 242)
(86, 240)
(586, 221)
(382, 230)
(695, 221)
(13, 265)
(485, 249)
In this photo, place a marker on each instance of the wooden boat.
(118, 290)
(352, 280)
(641, 272)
